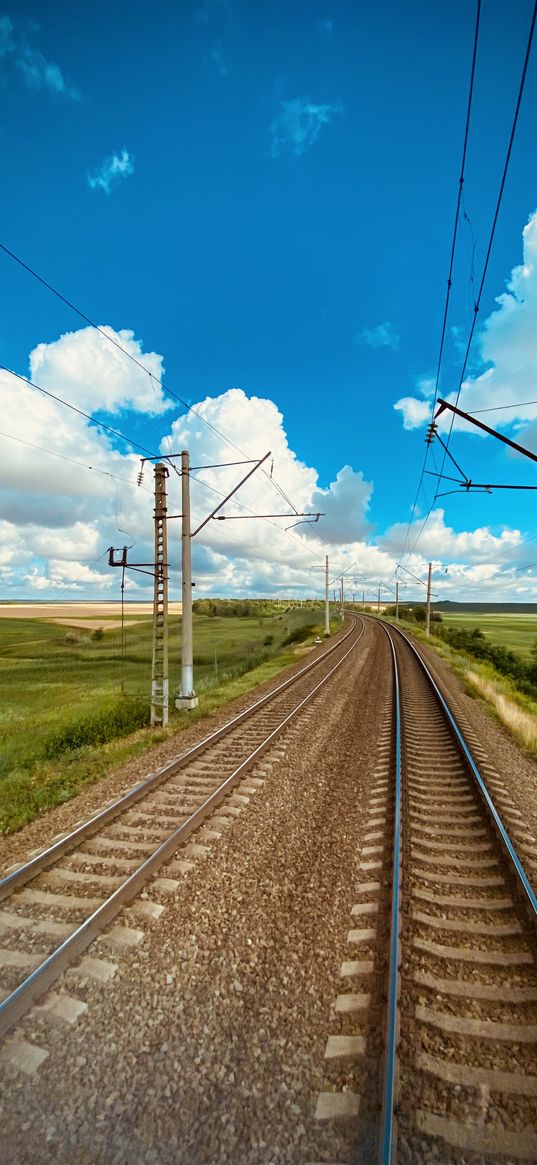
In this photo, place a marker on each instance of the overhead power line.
(499, 200)
(75, 409)
(154, 379)
(72, 461)
(452, 257)
(477, 303)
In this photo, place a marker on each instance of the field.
(71, 695)
(516, 632)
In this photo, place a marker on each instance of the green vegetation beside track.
(479, 648)
(74, 702)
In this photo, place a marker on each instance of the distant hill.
(482, 608)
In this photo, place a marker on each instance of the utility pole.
(428, 615)
(186, 698)
(378, 601)
(363, 600)
(342, 599)
(326, 600)
(397, 600)
(159, 673)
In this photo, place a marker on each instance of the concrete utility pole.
(186, 698)
(428, 615)
(159, 673)
(342, 599)
(326, 600)
(397, 600)
(378, 601)
(363, 600)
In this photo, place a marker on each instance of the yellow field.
(81, 614)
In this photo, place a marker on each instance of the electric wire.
(452, 256)
(72, 461)
(499, 200)
(75, 409)
(154, 379)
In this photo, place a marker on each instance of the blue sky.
(264, 197)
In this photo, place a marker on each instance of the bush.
(97, 635)
(298, 635)
(125, 717)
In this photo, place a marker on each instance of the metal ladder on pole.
(159, 674)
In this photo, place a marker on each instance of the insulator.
(431, 433)
(140, 477)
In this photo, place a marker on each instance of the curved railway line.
(54, 905)
(439, 1001)
(453, 905)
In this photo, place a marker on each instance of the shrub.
(125, 717)
(298, 635)
(97, 634)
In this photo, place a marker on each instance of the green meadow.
(74, 702)
(517, 632)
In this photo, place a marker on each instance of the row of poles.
(186, 698)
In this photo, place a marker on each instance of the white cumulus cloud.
(86, 367)
(507, 346)
(58, 516)
(111, 171)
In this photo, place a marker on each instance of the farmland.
(517, 632)
(74, 698)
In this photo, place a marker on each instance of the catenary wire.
(72, 461)
(499, 200)
(452, 257)
(154, 379)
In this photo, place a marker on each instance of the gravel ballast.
(207, 1046)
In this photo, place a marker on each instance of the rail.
(18, 1001)
(387, 1154)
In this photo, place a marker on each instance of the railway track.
(54, 905)
(442, 887)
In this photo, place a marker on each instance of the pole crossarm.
(245, 517)
(444, 404)
(230, 494)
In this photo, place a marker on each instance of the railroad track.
(442, 985)
(54, 905)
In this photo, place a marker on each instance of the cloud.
(57, 518)
(84, 367)
(344, 505)
(219, 57)
(440, 541)
(7, 42)
(383, 335)
(111, 171)
(507, 346)
(297, 127)
(39, 74)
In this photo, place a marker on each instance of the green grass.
(517, 632)
(72, 708)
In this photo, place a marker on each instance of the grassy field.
(517, 632)
(75, 702)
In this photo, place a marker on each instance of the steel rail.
(18, 1002)
(508, 847)
(387, 1137)
(97, 821)
(387, 1146)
